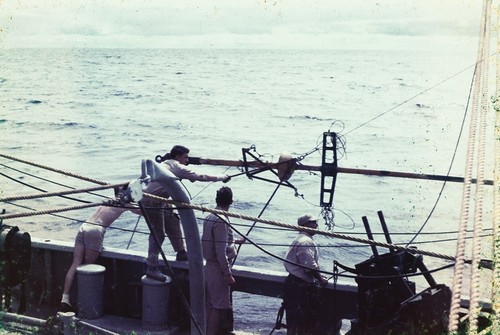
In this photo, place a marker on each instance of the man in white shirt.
(303, 279)
(161, 215)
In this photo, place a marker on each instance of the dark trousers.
(301, 302)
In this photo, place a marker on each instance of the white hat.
(304, 219)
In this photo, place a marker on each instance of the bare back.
(106, 215)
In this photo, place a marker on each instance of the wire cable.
(255, 222)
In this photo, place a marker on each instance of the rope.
(496, 209)
(253, 225)
(181, 205)
(60, 193)
(449, 167)
(39, 178)
(258, 246)
(133, 232)
(31, 209)
(74, 175)
(475, 307)
(38, 188)
(466, 195)
(54, 210)
(409, 99)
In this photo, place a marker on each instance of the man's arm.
(321, 279)
(306, 258)
(220, 241)
(184, 172)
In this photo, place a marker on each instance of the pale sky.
(237, 23)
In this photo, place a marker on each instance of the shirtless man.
(89, 244)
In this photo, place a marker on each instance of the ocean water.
(99, 112)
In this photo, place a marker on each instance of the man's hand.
(230, 279)
(323, 281)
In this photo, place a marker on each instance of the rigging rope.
(496, 195)
(38, 189)
(466, 195)
(449, 166)
(409, 99)
(54, 210)
(253, 225)
(475, 286)
(70, 174)
(181, 205)
(39, 178)
(258, 246)
(60, 193)
(133, 232)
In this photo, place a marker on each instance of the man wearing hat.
(301, 285)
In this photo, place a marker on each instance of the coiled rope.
(466, 195)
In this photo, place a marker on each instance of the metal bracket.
(328, 168)
(253, 173)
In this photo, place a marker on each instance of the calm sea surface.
(98, 113)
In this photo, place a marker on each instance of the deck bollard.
(155, 300)
(69, 322)
(90, 279)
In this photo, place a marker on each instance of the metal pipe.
(171, 183)
(370, 235)
(384, 228)
(97, 329)
(368, 172)
(21, 319)
(430, 280)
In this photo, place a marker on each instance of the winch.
(15, 255)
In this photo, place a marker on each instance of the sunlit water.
(98, 113)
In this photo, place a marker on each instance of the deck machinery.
(387, 299)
